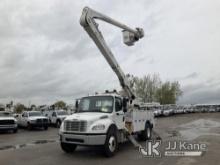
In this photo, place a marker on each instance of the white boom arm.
(130, 36)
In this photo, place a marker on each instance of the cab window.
(25, 114)
(118, 104)
(54, 114)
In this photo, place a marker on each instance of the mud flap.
(131, 138)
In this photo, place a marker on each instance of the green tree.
(60, 104)
(151, 89)
(19, 108)
(169, 92)
(145, 87)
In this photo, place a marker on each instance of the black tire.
(46, 127)
(111, 143)
(146, 134)
(29, 127)
(68, 148)
(15, 130)
(58, 123)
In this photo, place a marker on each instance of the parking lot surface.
(41, 147)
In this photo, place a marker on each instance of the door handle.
(118, 113)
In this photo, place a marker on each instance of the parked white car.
(56, 117)
(8, 122)
(158, 112)
(30, 119)
(168, 112)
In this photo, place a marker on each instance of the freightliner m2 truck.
(109, 118)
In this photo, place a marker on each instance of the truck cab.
(101, 120)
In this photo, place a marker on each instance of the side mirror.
(124, 104)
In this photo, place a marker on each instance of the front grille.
(6, 122)
(41, 120)
(75, 126)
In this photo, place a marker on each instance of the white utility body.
(108, 118)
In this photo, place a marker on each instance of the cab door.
(119, 117)
(23, 120)
(54, 118)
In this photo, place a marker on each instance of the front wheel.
(15, 130)
(111, 143)
(46, 127)
(29, 126)
(58, 123)
(68, 148)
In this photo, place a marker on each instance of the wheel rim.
(112, 143)
(148, 132)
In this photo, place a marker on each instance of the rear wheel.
(45, 127)
(111, 143)
(146, 134)
(68, 148)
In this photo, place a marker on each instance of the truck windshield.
(35, 114)
(60, 113)
(96, 104)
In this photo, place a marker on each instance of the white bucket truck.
(110, 118)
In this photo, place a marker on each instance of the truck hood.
(90, 116)
(36, 117)
(7, 118)
(62, 116)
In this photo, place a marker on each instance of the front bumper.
(39, 124)
(8, 127)
(83, 139)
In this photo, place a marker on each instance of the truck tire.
(45, 127)
(58, 123)
(68, 148)
(111, 143)
(29, 127)
(15, 130)
(146, 134)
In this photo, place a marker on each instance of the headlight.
(98, 127)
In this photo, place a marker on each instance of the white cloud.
(46, 55)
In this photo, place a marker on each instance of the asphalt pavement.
(41, 147)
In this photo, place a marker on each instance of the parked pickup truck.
(56, 117)
(8, 122)
(30, 119)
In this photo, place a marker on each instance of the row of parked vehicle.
(31, 119)
(169, 110)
